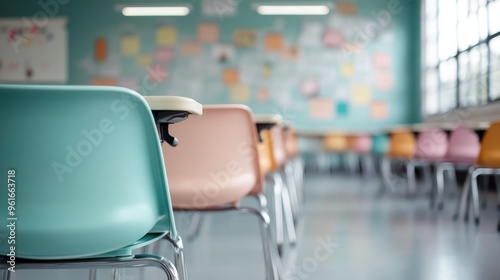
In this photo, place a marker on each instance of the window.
(462, 54)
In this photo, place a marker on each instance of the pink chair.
(463, 150)
(216, 165)
(431, 147)
(362, 146)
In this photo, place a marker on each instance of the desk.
(264, 122)
(169, 110)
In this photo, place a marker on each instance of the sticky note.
(309, 87)
(379, 110)
(321, 109)
(381, 60)
(190, 48)
(384, 80)
(166, 36)
(230, 76)
(342, 108)
(130, 45)
(290, 53)
(100, 49)
(360, 95)
(333, 38)
(208, 33)
(164, 55)
(103, 81)
(144, 60)
(274, 42)
(245, 38)
(348, 69)
(240, 93)
(267, 70)
(263, 95)
(346, 8)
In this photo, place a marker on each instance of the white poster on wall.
(31, 53)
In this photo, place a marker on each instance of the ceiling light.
(293, 9)
(155, 11)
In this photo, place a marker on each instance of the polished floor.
(346, 232)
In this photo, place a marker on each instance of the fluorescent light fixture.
(155, 11)
(293, 9)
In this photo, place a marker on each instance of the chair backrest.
(490, 147)
(432, 144)
(402, 144)
(362, 143)
(278, 144)
(463, 146)
(380, 144)
(266, 156)
(336, 142)
(216, 162)
(88, 167)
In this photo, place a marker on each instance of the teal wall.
(188, 76)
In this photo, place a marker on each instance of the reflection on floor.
(346, 232)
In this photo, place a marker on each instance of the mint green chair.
(380, 144)
(90, 183)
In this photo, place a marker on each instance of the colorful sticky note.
(290, 52)
(321, 109)
(333, 38)
(208, 33)
(342, 108)
(360, 95)
(164, 55)
(230, 76)
(346, 8)
(379, 110)
(348, 69)
(103, 81)
(274, 42)
(240, 93)
(309, 87)
(130, 45)
(384, 80)
(144, 60)
(245, 38)
(166, 36)
(190, 48)
(263, 95)
(382, 60)
(100, 49)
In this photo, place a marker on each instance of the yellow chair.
(488, 163)
(402, 148)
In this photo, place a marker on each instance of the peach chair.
(487, 163)
(217, 165)
(362, 146)
(431, 147)
(337, 144)
(273, 159)
(402, 147)
(462, 152)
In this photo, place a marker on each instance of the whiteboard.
(31, 53)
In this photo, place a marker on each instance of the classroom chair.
(463, 149)
(337, 144)
(487, 163)
(402, 147)
(431, 147)
(380, 145)
(362, 146)
(217, 165)
(89, 179)
(295, 167)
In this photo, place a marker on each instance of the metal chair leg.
(93, 274)
(385, 168)
(195, 226)
(116, 274)
(179, 262)
(462, 201)
(475, 196)
(278, 211)
(410, 172)
(262, 200)
(497, 184)
(439, 195)
(290, 184)
(287, 210)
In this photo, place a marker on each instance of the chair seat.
(210, 191)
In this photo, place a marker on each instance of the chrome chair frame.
(443, 168)
(471, 188)
(136, 261)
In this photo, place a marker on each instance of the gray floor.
(370, 237)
